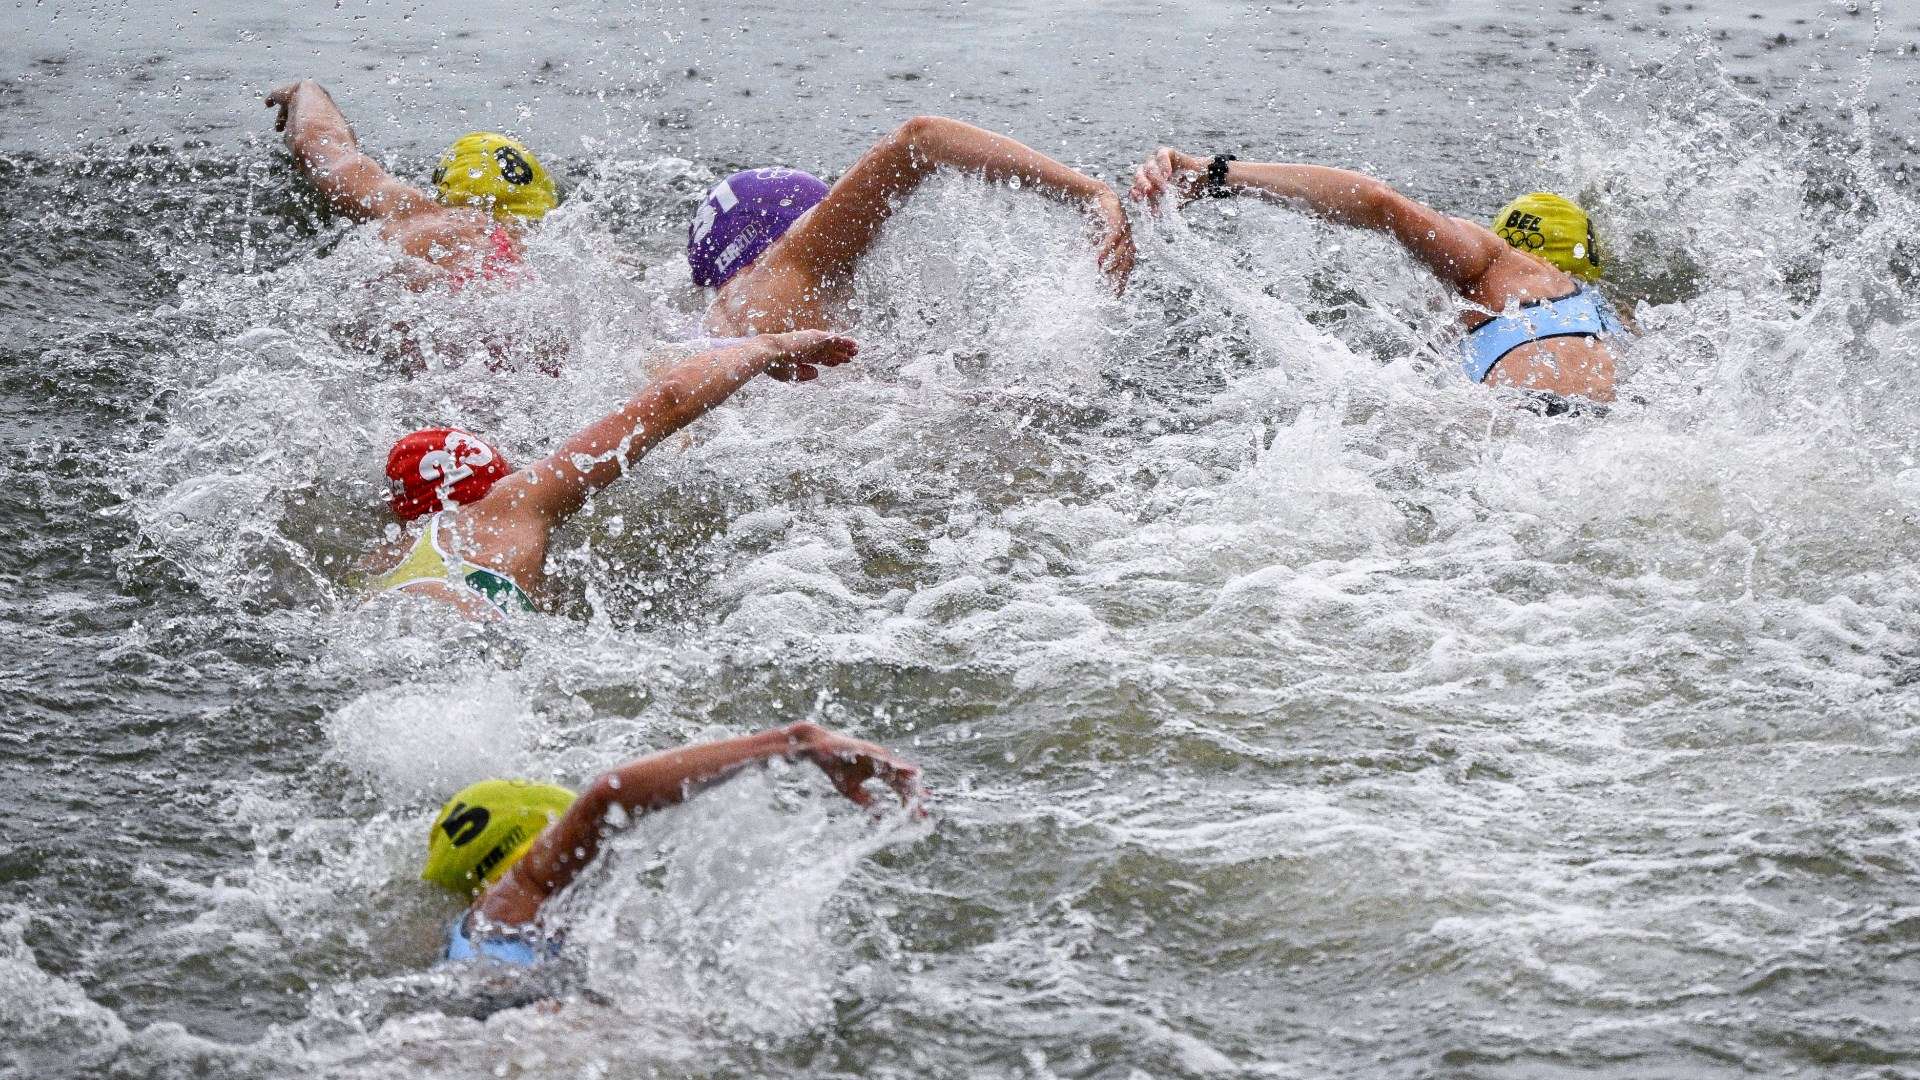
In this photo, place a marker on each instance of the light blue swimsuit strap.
(498, 948)
(1580, 313)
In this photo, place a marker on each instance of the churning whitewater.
(1290, 706)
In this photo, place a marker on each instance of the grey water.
(1292, 708)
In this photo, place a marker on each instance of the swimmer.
(1532, 320)
(780, 247)
(508, 846)
(487, 189)
(478, 528)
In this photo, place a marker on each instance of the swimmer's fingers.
(1163, 164)
(837, 349)
(1160, 174)
(1181, 173)
(804, 352)
(1116, 260)
(1145, 188)
(850, 763)
(902, 778)
(1115, 251)
(905, 781)
(282, 98)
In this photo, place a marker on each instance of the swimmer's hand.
(799, 355)
(1169, 171)
(850, 763)
(1116, 252)
(282, 99)
(295, 97)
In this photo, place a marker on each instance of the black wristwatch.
(1216, 186)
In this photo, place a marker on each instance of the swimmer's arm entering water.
(1458, 252)
(553, 489)
(329, 156)
(671, 777)
(830, 240)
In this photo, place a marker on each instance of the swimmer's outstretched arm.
(665, 779)
(1459, 252)
(329, 156)
(836, 233)
(552, 489)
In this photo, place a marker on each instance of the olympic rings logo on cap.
(1522, 230)
(1531, 241)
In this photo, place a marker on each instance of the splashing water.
(1293, 708)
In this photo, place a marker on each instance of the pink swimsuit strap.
(501, 262)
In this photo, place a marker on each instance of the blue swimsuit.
(1580, 313)
(498, 947)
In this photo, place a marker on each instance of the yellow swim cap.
(486, 829)
(1552, 228)
(489, 170)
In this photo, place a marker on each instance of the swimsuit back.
(500, 262)
(428, 561)
(1580, 313)
(500, 948)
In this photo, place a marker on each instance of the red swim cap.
(430, 468)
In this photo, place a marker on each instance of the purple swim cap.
(742, 215)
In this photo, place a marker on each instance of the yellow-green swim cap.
(489, 170)
(486, 829)
(1554, 229)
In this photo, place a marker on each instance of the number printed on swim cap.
(465, 823)
(456, 460)
(718, 201)
(513, 168)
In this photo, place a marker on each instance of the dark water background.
(1296, 712)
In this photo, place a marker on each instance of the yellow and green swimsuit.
(428, 561)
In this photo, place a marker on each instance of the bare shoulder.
(440, 235)
(1479, 244)
(1516, 275)
(778, 292)
(512, 506)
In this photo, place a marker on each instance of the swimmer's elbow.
(600, 796)
(922, 139)
(922, 128)
(632, 793)
(669, 397)
(1377, 205)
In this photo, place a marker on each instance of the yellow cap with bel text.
(1553, 228)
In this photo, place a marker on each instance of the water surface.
(1294, 709)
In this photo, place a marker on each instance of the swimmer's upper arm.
(354, 184)
(1457, 251)
(833, 235)
(555, 858)
(640, 786)
(830, 239)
